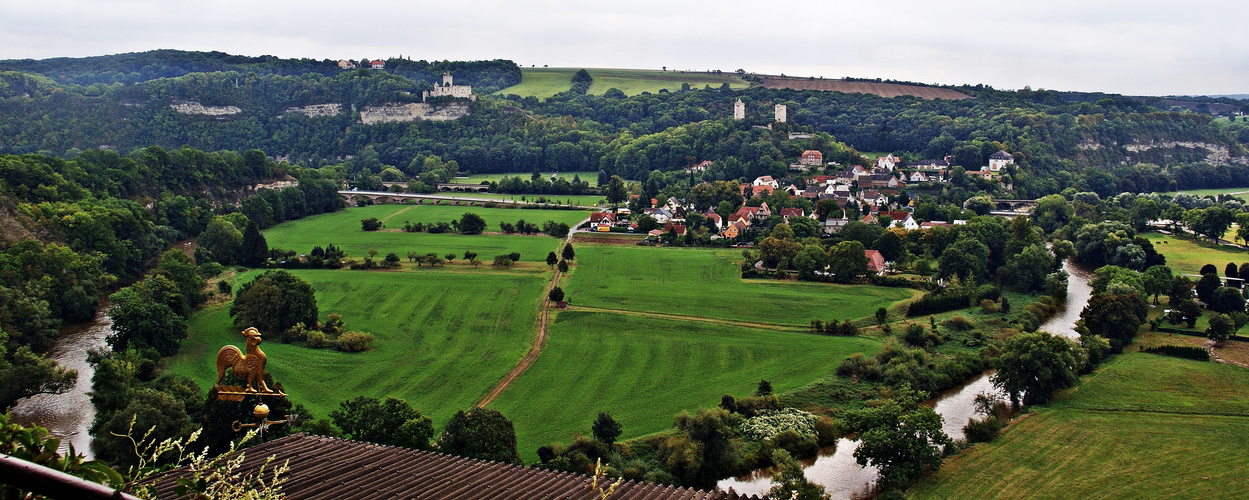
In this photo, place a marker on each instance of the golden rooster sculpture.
(250, 365)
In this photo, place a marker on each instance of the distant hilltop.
(883, 89)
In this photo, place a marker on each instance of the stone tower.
(739, 110)
(446, 79)
(780, 113)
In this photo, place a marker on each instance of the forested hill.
(138, 67)
(1098, 142)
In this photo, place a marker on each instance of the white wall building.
(449, 89)
(781, 113)
(739, 110)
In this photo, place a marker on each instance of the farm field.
(882, 89)
(1186, 256)
(343, 230)
(645, 370)
(590, 178)
(442, 340)
(705, 283)
(1151, 426)
(546, 82)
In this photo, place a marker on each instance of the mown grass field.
(1186, 256)
(590, 178)
(645, 370)
(1144, 426)
(442, 339)
(1212, 191)
(706, 283)
(343, 230)
(546, 82)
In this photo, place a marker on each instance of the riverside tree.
(1035, 365)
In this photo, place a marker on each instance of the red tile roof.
(875, 261)
(330, 468)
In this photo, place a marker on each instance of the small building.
(781, 113)
(699, 168)
(888, 162)
(933, 165)
(715, 217)
(345, 64)
(833, 226)
(875, 261)
(739, 110)
(1000, 160)
(786, 213)
(734, 230)
(377, 64)
(766, 180)
(918, 177)
(812, 157)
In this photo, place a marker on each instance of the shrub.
(982, 430)
(210, 269)
(224, 287)
(316, 339)
(770, 424)
(988, 306)
(959, 323)
(556, 294)
(798, 445)
(1180, 351)
(936, 304)
(354, 341)
(915, 335)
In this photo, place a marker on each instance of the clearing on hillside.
(1144, 426)
(546, 82)
(876, 88)
(644, 370)
(1186, 256)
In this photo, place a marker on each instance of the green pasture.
(1144, 426)
(645, 370)
(1186, 256)
(1213, 191)
(590, 178)
(442, 339)
(343, 230)
(546, 82)
(706, 283)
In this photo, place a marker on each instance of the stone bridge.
(1014, 205)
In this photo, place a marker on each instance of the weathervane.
(252, 366)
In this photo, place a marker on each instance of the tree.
(567, 253)
(1035, 364)
(1231, 271)
(471, 223)
(764, 389)
(847, 260)
(791, 483)
(391, 422)
(24, 373)
(254, 250)
(967, 258)
(810, 259)
(142, 318)
(1221, 328)
(556, 294)
(1181, 289)
(370, 224)
(551, 259)
(274, 302)
(826, 208)
(1188, 310)
(1208, 269)
(615, 191)
(605, 428)
(502, 262)
(470, 256)
(899, 436)
(1206, 286)
(480, 433)
(881, 315)
(1027, 269)
(1115, 316)
(1157, 281)
(890, 245)
(221, 240)
(1228, 300)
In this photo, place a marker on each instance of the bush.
(354, 342)
(988, 306)
(959, 323)
(770, 424)
(982, 430)
(224, 287)
(210, 269)
(798, 445)
(556, 294)
(316, 339)
(936, 304)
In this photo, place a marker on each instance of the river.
(835, 467)
(68, 416)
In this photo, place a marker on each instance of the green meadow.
(1186, 256)
(343, 230)
(546, 82)
(442, 339)
(706, 283)
(645, 370)
(1143, 426)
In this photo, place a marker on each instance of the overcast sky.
(1141, 47)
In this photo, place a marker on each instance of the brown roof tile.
(330, 468)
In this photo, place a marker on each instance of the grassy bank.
(1142, 426)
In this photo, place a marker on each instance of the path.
(532, 355)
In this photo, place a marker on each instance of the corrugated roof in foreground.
(330, 468)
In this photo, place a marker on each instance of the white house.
(1000, 160)
(919, 177)
(766, 180)
(908, 223)
(887, 162)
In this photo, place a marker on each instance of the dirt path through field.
(534, 351)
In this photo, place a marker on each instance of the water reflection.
(68, 416)
(1078, 292)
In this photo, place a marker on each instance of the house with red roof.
(812, 157)
(715, 217)
(875, 261)
(377, 64)
(786, 213)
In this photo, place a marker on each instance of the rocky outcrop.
(410, 112)
(315, 110)
(1217, 153)
(195, 108)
